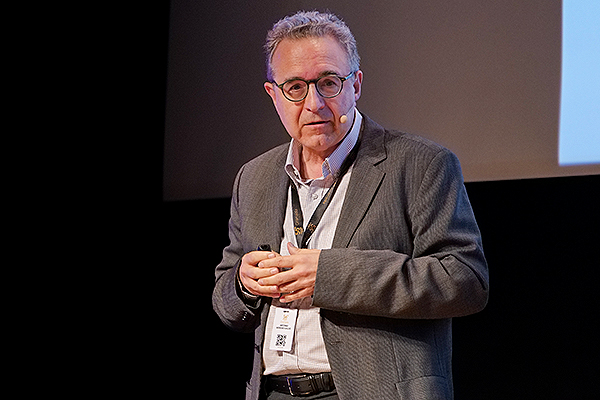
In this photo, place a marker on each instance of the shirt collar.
(333, 163)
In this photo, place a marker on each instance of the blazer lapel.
(364, 182)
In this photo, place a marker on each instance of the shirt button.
(315, 196)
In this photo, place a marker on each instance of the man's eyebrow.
(325, 73)
(322, 74)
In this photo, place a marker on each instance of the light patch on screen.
(579, 138)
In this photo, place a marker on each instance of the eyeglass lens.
(327, 86)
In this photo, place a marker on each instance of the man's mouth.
(317, 123)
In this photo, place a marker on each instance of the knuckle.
(246, 257)
(245, 270)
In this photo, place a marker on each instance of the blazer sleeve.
(226, 299)
(446, 274)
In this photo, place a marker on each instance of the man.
(374, 246)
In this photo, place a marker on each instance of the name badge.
(283, 329)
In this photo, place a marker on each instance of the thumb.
(292, 248)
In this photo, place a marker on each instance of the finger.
(254, 257)
(249, 263)
(296, 284)
(292, 286)
(278, 279)
(300, 294)
(255, 288)
(292, 248)
(259, 290)
(257, 273)
(277, 261)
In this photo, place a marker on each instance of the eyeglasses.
(327, 86)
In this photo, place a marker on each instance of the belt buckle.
(287, 379)
(292, 393)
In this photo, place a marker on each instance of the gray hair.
(305, 24)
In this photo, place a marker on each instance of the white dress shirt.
(308, 353)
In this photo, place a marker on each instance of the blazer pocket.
(426, 388)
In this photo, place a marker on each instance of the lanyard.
(302, 236)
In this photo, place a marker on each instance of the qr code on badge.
(280, 340)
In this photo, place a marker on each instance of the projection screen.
(481, 78)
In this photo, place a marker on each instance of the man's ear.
(270, 88)
(358, 85)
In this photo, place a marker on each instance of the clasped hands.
(262, 273)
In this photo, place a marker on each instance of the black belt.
(300, 385)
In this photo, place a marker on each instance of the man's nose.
(313, 101)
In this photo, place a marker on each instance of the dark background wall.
(536, 339)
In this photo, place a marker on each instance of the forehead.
(308, 58)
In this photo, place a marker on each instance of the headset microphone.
(344, 117)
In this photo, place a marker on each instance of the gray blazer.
(406, 258)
